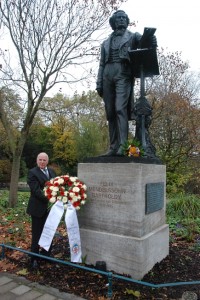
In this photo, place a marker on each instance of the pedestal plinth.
(123, 222)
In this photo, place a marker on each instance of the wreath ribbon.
(72, 226)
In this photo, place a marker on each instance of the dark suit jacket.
(38, 203)
(129, 40)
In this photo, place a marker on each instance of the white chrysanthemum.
(59, 198)
(64, 199)
(53, 193)
(77, 207)
(52, 200)
(74, 199)
(79, 197)
(73, 179)
(60, 181)
(84, 187)
(55, 188)
(71, 194)
(66, 193)
(83, 202)
(75, 189)
(85, 196)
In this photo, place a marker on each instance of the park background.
(48, 103)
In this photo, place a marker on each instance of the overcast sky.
(177, 23)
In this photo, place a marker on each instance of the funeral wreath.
(66, 188)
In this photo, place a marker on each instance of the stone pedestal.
(123, 222)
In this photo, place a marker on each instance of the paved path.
(13, 287)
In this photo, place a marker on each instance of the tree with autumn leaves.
(175, 100)
(49, 39)
(75, 129)
(175, 128)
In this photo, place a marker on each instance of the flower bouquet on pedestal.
(132, 148)
(66, 194)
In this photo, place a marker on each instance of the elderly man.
(115, 78)
(38, 202)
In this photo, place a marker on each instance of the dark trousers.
(37, 228)
(116, 94)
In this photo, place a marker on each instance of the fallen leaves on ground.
(181, 265)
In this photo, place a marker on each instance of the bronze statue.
(115, 79)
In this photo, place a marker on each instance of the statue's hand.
(150, 42)
(153, 41)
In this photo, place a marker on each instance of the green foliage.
(132, 144)
(176, 182)
(5, 170)
(183, 213)
(23, 169)
(19, 212)
(184, 206)
(69, 130)
(193, 184)
(196, 247)
(64, 150)
(14, 219)
(39, 140)
(5, 152)
(90, 140)
(175, 123)
(84, 259)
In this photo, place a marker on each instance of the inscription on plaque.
(154, 197)
(107, 194)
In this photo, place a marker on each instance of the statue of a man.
(115, 78)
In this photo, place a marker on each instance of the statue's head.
(119, 20)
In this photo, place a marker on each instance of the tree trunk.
(17, 153)
(13, 197)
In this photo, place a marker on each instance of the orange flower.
(134, 151)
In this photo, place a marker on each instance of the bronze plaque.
(154, 197)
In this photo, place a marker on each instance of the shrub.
(5, 170)
(184, 206)
(183, 213)
(176, 182)
(193, 184)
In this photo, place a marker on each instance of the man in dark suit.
(116, 79)
(38, 203)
